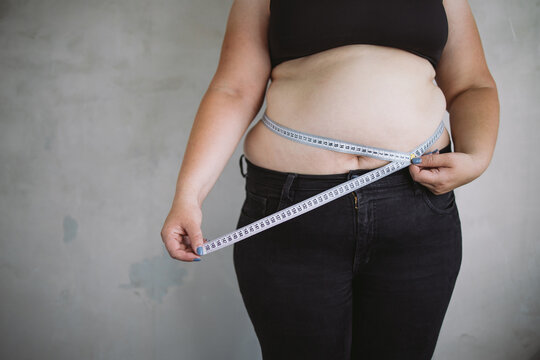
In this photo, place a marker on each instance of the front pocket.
(254, 206)
(440, 204)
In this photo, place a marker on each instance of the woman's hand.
(181, 231)
(441, 173)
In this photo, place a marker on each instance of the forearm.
(219, 124)
(474, 122)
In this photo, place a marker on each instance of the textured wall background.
(97, 99)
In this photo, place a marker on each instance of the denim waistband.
(273, 179)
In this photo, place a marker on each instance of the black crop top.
(299, 28)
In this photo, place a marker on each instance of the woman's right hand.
(181, 232)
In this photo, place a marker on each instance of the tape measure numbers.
(398, 160)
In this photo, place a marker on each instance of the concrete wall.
(97, 99)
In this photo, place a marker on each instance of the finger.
(186, 243)
(195, 237)
(425, 176)
(180, 251)
(434, 160)
(184, 255)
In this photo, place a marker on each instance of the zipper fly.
(355, 200)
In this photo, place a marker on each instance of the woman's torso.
(363, 93)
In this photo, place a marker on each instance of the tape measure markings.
(334, 144)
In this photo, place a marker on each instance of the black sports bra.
(299, 28)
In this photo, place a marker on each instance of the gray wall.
(97, 99)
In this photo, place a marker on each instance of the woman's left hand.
(441, 173)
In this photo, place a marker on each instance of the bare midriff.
(367, 94)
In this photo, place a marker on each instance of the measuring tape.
(398, 160)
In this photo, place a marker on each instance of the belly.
(366, 94)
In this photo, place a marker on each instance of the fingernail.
(199, 250)
(416, 160)
(197, 259)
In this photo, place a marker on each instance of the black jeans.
(340, 282)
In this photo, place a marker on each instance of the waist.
(271, 181)
(269, 150)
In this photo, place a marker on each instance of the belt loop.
(286, 190)
(241, 166)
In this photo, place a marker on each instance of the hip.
(393, 214)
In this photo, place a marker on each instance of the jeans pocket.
(440, 204)
(254, 206)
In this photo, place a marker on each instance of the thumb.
(433, 160)
(195, 237)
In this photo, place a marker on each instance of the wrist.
(188, 196)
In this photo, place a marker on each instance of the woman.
(370, 274)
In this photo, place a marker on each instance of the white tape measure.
(398, 160)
